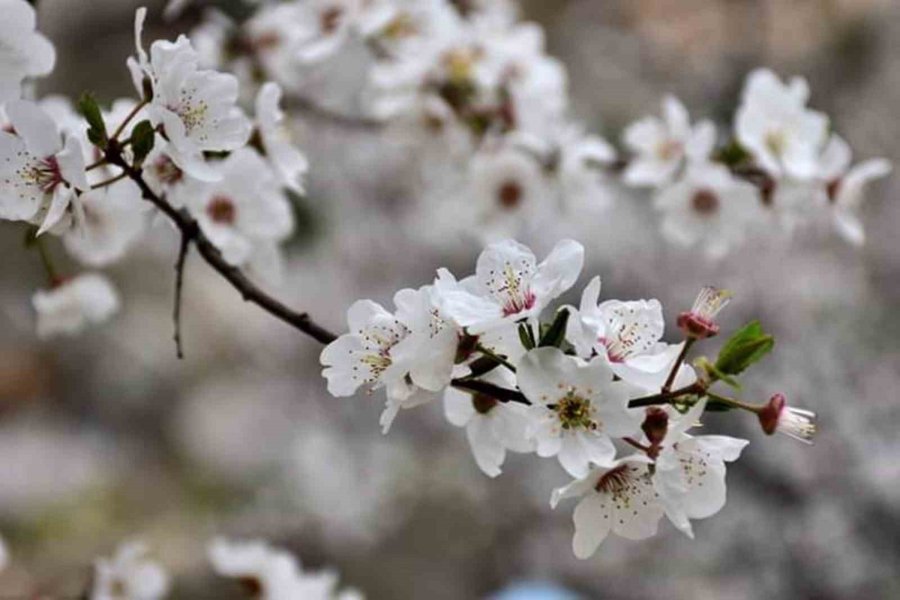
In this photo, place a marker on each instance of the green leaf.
(733, 155)
(89, 108)
(556, 333)
(526, 336)
(142, 138)
(747, 346)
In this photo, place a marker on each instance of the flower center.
(222, 211)
(167, 171)
(43, 173)
(668, 150)
(775, 141)
(705, 202)
(192, 114)
(483, 403)
(509, 194)
(401, 27)
(574, 412)
(330, 19)
(614, 481)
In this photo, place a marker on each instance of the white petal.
(592, 524)
(487, 450)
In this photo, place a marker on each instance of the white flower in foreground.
(778, 417)
(244, 209)
(629, 335)
(113, 219)
(690, 471)
(710, 207)
(129, 575)
(661, 146)
(576, 408)
(509, 285)
(287, 161)
(366, 357)
(620, 498)
(196, 108)
(492, 427)
(846, 186)
(775, 125)
(70, 306)
(24, 52)
(269, 573)
(39, 168)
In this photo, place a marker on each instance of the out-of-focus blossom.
(73, 304)
(112, 220)
(287, 161)
(775, 125)
(26, 53)
(130, 575)
(709, 207)
(244, 209)
(662, 145)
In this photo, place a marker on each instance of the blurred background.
(108, 436)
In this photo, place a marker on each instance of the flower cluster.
(259, 570)
(82, 174)
(472, 91)
(783, 169)
(593, 381)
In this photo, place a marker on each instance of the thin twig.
(496, 357)
(179, 285)
(128, 118)
(238, 280)
(666, 397)
(489, 389)
(109, 182)
(681, 356)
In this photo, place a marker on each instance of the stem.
(500, 359)
(636, 444)
(489, 389)
(678, 361)
(109, 182)
(124, 124)
(179, 284)
(666, 397)
(733, 402)
(233, 275)
(96, 165)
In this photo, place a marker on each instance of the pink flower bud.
(777, 416)
(699, 322)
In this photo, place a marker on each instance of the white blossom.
(690, 471)
(845, 186)
(618, 498)
(509, 285)
(492, 427)
(576, 408)
(710, 207)
(25, 52)
(287, 161)
(775, 125)
(628, 335)
(242, 211)
(73, 304)
(113, 219)
(129, 575)
(272, 574)
(195, 107)
(40, 169)
(661, 145)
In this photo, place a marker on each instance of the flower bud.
(699, 322)
(656, 423)
(777, 417)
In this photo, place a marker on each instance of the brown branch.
(666, 397)
(179, 285)
(233, 275)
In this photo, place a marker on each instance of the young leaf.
(556, 333)
(526, 336)
(142, 138)
(748, 345)
(88, 107)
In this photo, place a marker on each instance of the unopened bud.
(656, 424)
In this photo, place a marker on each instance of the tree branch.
(233, 275)
(179, 284)
(489, 389)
